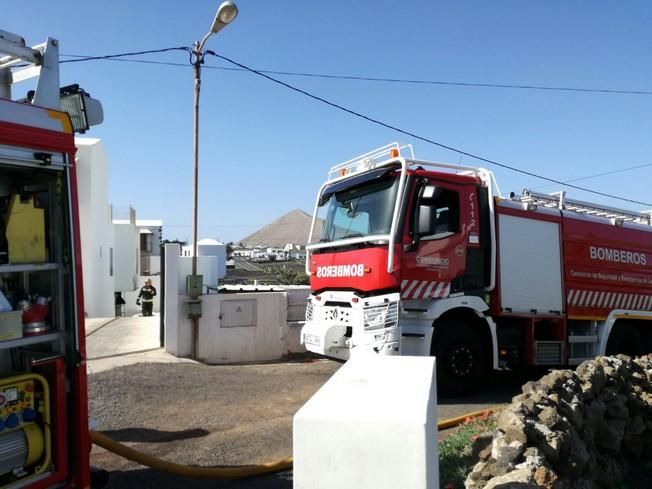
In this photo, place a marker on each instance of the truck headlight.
(383, 316)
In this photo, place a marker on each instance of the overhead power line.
(425, 139)
(371, 119)
(603, 174)
(79, 59)
(368, 78)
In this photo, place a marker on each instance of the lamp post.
(226, 12)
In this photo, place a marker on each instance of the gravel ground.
(201, 415)
(206, 415)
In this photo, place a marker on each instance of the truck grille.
(548, 352)
(337, 315)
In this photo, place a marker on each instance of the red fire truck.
(44, 436)
(426, 258)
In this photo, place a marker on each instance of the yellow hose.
(187, 470)
(444, 424)
(237, 472)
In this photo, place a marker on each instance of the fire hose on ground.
(228, 472)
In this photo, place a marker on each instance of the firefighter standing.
(146, 296)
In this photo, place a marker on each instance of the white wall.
(270, 335)
(258, 342)
(175, 322)
(218, 266)
(95, 226)
(217, 250)
(206, 266)
(126, 256)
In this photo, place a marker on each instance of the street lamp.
(226, 12)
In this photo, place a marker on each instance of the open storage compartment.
(37, 318)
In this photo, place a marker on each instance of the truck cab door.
(438, 235)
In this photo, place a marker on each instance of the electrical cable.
(122, 55)
(603, 174)
(376, 121)
(387, 80)
(425, 139)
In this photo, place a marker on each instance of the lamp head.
(226, 12)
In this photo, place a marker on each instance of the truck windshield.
(360, 210)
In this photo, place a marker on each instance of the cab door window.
(439, 213)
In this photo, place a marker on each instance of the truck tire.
(460, 358)
(625, 338)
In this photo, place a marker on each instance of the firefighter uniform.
(146, 297)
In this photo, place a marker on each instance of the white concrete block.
(373, 425)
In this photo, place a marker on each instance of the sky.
(265, 150)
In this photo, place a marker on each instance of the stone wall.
(571, 429)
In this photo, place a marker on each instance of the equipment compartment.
(35, 253)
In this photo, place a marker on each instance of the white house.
(97, 238)
(210, 248)
(151, 234)
(111, 248)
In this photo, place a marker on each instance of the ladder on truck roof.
(558, 200)
(22, 62)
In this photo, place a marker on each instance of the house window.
(111, 262)
(146, 242)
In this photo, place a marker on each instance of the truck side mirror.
(426, 224)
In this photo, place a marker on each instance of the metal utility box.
(238, 313)
(194, 285)
(194, 308)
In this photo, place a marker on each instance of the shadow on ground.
(499, 388)
(137, 479)
(153, 436)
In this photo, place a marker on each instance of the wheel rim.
(459, 360)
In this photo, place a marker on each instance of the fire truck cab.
(426, 258)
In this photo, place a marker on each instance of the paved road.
(245, 264)
(208, 415)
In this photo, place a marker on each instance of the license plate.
(310, 339)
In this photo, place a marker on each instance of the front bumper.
(340, 325)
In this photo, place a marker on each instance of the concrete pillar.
(373, 425)
(171, 319)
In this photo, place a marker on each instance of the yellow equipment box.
(25, 230)
(11, 325)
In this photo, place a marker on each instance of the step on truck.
(44, 437)
(412, 257)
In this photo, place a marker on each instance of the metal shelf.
(31, 340)
(29, 267)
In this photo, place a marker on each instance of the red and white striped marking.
(424, 289)
(609, 300)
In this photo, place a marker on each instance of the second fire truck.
(425, 258)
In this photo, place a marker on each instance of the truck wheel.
(460, 358)
(625, 338)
